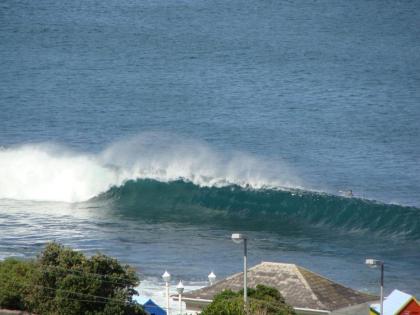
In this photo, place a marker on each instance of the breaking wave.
(265, 208)
(51, 172)
(156, 176)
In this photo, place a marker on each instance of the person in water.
(347, 193)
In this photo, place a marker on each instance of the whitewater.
(52, 172)
(166, 176)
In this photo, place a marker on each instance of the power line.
(83, 294)
(105, 299)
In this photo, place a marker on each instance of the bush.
(14, 275)
(261, 301)
(64, 281)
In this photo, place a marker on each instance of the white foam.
(55, 173)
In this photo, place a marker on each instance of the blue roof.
(153, 309)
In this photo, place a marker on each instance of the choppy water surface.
(150, 130)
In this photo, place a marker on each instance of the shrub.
(14, 275)
(62, 281)
(262, 300)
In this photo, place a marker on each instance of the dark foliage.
(14, 275)
(64, 281)
(262, 300)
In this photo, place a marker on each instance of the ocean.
(152, 130)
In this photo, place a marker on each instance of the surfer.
(347, 193)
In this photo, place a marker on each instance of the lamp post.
(167, 277)
(180, 289)
(238, 238)
(374, 263)
(212, 278)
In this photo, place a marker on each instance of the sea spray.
(169, 178)
(51, 172)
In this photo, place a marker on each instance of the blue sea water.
(187, 119)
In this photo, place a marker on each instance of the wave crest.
(287, 211)
(51, 172)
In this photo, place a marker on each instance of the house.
(397, 303)
(308, 292)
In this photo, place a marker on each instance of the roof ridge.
(307, 285)
(232, 276)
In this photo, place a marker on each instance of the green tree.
(14, 275)
(67, 282)
(262, 300)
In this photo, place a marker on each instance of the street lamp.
(212, 278)
(180, 289)
(167, 277)
(238, 238)
(374, 263)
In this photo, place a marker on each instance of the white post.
(238, 238)
(167, 278)
(245, 274)
(382, 288)
(167, 298)
(180, 289)
(374, 263)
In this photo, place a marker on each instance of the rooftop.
(300, 287)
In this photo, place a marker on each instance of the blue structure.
(153, 309)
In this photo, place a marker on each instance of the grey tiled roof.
(300, 287)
